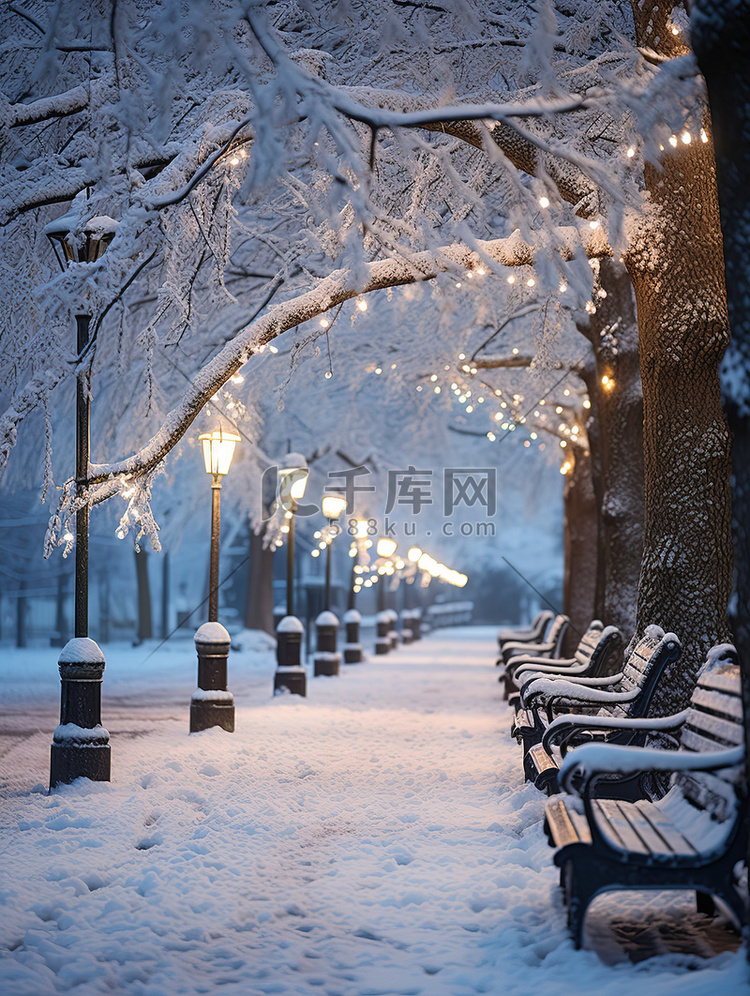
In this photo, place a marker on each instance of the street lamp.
(218, 450)
(290, 675)
(80, 744)
(292, 486)
(332, 506)
(327, 658)
(211, 703)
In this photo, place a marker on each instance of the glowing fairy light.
(673, 141)
(630, 152)
(601, 293)
(704, 136)
(324, 323)
(328, 374)
(531, 282)
(437, 389)
(566, 392)
(544, 202)
(591, 307)
(491, 436)
(587, 403)
(563, 287)
(361, 305)
(511, 279)
(515, 350)
(433, 378)
(593, 224)
(686, 137)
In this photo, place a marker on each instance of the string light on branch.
(704, 136)
(686, 138)
(361, 305)
(544, 202)
(607, 383)
(511, 279)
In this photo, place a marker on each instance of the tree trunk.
(615, 433)
(677, 270)
(145, 629)
(581, 528)
(259, 604)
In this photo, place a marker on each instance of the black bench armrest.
(585, 763)
(562, 726)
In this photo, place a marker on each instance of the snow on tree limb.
(57, 106)
(338, 287)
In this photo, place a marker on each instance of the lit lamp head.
(84, 246)
(218, 450)
(386, 547)
(293, 474)
(332, 506)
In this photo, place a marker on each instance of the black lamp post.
(332, 506)
(327, 658)
(211, 703)
(290, 675)
(80, 745)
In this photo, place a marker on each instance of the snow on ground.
(375, 838)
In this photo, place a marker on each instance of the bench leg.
(578, 900)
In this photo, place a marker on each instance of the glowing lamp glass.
(386, 547)
(333, 506)
(218, 450)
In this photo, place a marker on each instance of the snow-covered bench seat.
(598, 647)
(549, 647)
(690, 838)
(625, 695)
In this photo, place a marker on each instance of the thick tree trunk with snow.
(581, 548)
(615, 433)
(676, 265)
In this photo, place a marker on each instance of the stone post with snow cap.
(393, 634)
(352, 646)
(211, 703)
(382, 629)
(290, 675)
(327, 659)
(80, 744)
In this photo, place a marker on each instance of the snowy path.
(375, 838)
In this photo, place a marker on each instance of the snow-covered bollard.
(406, 633)
(211, 703)
(80, 744)
(393, 634)
(352, 647)
(416, 624)
(382, 629)
(327, 659)
(290, 675)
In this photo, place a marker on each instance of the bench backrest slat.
(555, 633)
(714, 722)
(642, 670)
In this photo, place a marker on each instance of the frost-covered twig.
(340, 286)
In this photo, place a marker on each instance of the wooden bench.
(625, 695)
(690, 838)
(513, 650)
(598, 646)
(534, 633)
